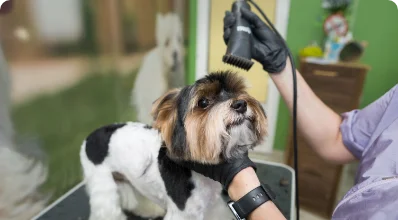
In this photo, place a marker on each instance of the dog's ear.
(159, 28)
(164, 113)
(159, 19)
(164, 104)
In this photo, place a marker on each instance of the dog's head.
(169, 37)
(213, 120)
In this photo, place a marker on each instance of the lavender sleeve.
(358, 125)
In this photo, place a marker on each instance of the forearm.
(319, 125)
(244, 182)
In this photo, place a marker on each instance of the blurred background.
(68, 67)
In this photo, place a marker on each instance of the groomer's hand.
(224, 172)
(267, 48)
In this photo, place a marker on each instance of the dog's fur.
(134, 167)
(21, 175)
(162, 68)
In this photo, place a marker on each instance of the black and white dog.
(131, 166)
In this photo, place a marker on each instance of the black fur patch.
(97, 143)
(179, 134)
(227, 80)
(132, 216)
(177, 179)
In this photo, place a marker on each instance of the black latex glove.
(224, 172)
(267, 48)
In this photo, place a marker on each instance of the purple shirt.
(371, 135)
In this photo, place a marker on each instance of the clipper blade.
(239, 62)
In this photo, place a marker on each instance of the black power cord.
(294, 104)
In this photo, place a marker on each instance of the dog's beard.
(205, 132)
(240, 134)
(240, 139)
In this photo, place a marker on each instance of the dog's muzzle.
(176, 62)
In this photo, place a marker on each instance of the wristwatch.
(249, 202)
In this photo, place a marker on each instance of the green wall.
(192, 42)
(371, 24)
(377, 23)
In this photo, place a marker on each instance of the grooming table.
(74, 204)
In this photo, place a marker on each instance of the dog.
(135, 167)
(162, 68)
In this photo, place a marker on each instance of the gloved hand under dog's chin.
(267, 48)
(223, 172)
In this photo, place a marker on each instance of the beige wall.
(256, 77)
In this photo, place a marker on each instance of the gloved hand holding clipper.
(267, 48)
(338, 138)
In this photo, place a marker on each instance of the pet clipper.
(239, 45)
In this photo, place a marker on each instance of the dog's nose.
(240, 106)
(175, 55)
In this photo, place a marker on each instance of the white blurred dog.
(162, 68)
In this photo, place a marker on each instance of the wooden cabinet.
(340, 87)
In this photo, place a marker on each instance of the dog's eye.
(203, 103)
(167, 42)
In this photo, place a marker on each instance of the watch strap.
(252, 200)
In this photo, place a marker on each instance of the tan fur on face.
(205, 131)
(164, 112)
(212, 133)
(206, 128)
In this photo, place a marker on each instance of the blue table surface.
(76, 206)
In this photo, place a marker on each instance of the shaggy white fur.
(20, 175)
(133, 152)
(162, 68)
